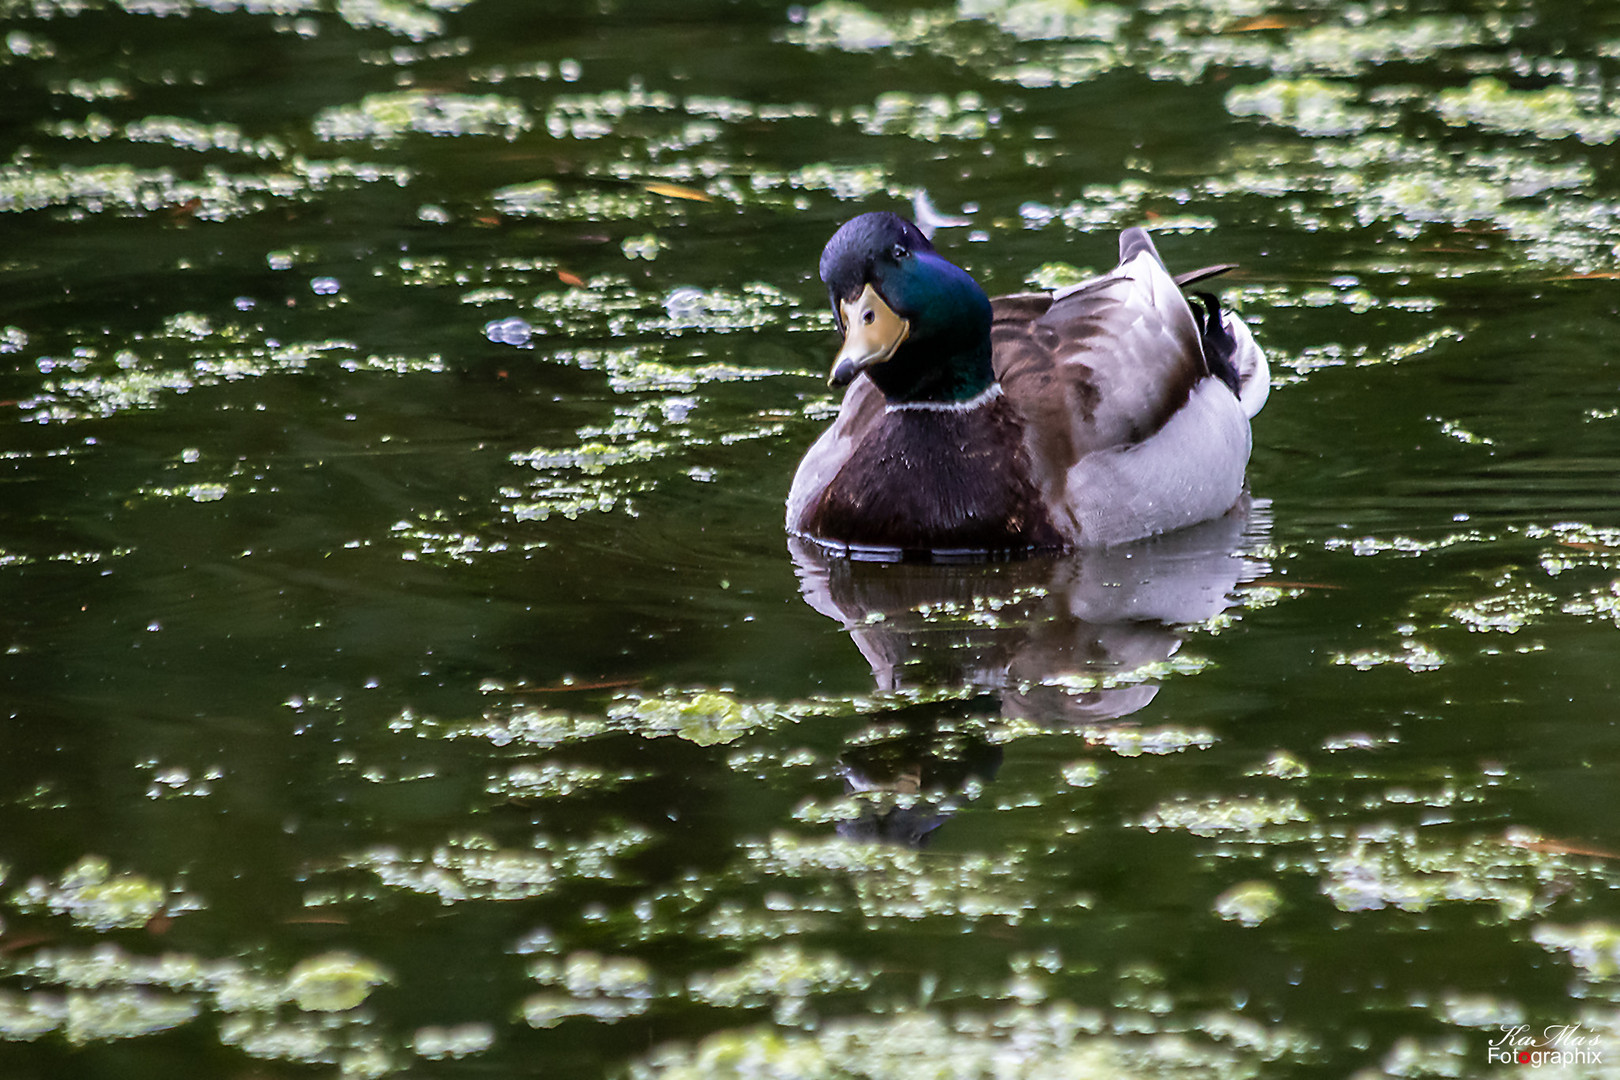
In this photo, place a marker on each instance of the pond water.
(406, 672)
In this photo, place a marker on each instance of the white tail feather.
(1254, 374)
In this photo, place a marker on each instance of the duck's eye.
(868, 316)
(899, 252)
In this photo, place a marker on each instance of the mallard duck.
(1101, 413)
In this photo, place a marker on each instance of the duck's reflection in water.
(914, 782)
(1060, 640)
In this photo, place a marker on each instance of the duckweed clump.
(93, 895)
(333, 982)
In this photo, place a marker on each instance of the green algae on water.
(1593, 947)
(387, 117)
(1555, 112)
(1413, 655)
(550, 779)
(1249, 902)
(775, 974)
(602, 988)
(1285, 766)
(1397, 869)
(1046, 1040)
(93, 895)
(1217, 815)
(1311, 106)
(333, 982)
(436, 1043)
(704, 718)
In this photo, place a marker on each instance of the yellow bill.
(872, 332)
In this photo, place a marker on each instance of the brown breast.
(926, 479)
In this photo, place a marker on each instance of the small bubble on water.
(510, 331)
(324, 286)
(642, 247)
(538, 940)
(684, 303)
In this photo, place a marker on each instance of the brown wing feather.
(1097, 368)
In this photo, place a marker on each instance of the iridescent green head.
(916, 324)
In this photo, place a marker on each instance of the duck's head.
(918, 325)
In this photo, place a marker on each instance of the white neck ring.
(983, 397)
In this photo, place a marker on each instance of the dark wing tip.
(1220, 347)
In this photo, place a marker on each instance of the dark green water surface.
(405, 672)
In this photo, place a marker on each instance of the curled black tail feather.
(1193, 277)
(1220, 347)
